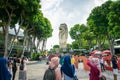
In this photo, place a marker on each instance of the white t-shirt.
(101, 60)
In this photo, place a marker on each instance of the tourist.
(14, 66)
(9, 65)
(57, 73)
(62, 56)
(73, 60)
(115, 66)
(68, 69)
(23, 69)
(94, 70)
(102, 64)
(96, 56)
(76, 61)
(4, 73)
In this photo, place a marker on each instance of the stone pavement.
(36, 69)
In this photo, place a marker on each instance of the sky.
(70, 12)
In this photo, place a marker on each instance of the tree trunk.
(24, 44)
(6, 42)
(12, 42)
(6, 28)
(111, 45)
(44, 45)
(38, 45)
(31, 45)
(99, 45)
(90, 44)
(34, 44)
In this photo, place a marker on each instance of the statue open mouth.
(60, 29)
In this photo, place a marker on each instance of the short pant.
(115, 71)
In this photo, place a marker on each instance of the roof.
(12, 32)
(117, 47)
(117, 40)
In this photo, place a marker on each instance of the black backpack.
(22, 65)
(50, 74)
(14, 67)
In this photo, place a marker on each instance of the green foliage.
(56, 46)
(98, 22)
(34, 56)
(75, 45)
(114, 18)
(77, 33)
(28, 15)
(1, 39)
(77, 30)
(19, 51)
(69, 46)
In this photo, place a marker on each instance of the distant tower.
(63, 35)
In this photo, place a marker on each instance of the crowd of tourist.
(9, 67)
(68, 65)
(64, 65)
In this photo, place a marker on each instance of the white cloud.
(70, 12)
(50, 4)
(99, 2)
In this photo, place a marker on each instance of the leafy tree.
(104, 22)
(76, 32)
(98, 22)
(75, 45)
(28, 15)
(29, 10)
(94, 21)
(114, 19)
(47, 32)
(8, 17)
(105, 12)
(56, 46)
(90, 38)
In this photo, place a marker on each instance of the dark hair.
(114, 56)
(14, 55)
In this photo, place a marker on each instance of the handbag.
(102, 77)
(75, 78)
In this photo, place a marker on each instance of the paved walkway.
(36, 71)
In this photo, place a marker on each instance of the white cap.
(98, 52)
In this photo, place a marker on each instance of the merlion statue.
(63, 35)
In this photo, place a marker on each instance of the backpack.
(22, 65)
(14, 67)
(50, 74)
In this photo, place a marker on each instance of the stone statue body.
(63, 35)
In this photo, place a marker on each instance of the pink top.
(25, 66)
(58, 74)
(55, 62)
(94, 71)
